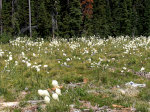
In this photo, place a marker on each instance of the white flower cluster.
(86, 51)
(46, 95)
(1, 53)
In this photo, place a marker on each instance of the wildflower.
(122, 71)
(124, 68)
(55, 96)
(34, 54)
(22, 53)
(10, 57)
(43, 92)
(47, 99)
(45, 66)
(67, 59)
(58, 91)
(64, 54)
(28, 64)
(23, 61)
(89, 60)
(142, 69)
(16, 63)
(55, 83)
(65, 63)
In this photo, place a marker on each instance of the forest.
(75, 18)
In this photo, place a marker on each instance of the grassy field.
(92, 71)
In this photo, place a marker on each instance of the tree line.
(75, 18)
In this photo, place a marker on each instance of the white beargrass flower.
(37, 69)
(23, 61)
(28, 64)
(65, 63)
(55, 83)
(58, 91)
(45, 66)
(142, 69)
(40, 92)
(47, 99)
(55, 96)
(22, 53)
(10, 57)
(43, 92)
(68, 59)
(64, 54)
(34, 54)
(16, 63)
(124, 68)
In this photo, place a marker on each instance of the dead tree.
(54, 14)
(30, 19)
(1, 17)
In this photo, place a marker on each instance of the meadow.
(92, 71)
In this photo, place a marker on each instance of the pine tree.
(14, 15)
(6, 17)
(87, 15)
(134, 20)
(147, 18)
(100, 22)
(70, 21)
(23, 16)
(125, 17)
(115, 14)
(139, 5)
(1, 25)
(43, 19)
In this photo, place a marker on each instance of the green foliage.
(147, 18)
(100, 18)
(5, 38)
(70, 19)
(107, 18)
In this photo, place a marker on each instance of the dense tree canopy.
(71, 18)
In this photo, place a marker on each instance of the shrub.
(5, 37)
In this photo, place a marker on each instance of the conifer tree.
(43, 19)
(100, 24)
(147, 18)
(139, 4)
(125, 17)
(87, 15)
(70, 18)
(6, 17)
(1, 25)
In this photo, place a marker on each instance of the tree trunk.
(53, 25)
(54, 14)
(13, 10)
(30, 19)
(1, 28)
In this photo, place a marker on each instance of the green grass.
(101, 63)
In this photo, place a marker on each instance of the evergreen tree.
(43, 18)
(23, 16)
(7, 16)
(100, 21)
(1, 25)
(134, 19)
(87, 16)
(139, 4)
(125, 17)
(115, 14)
(70, 21)
(147, 18)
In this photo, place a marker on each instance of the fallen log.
(16, 104)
